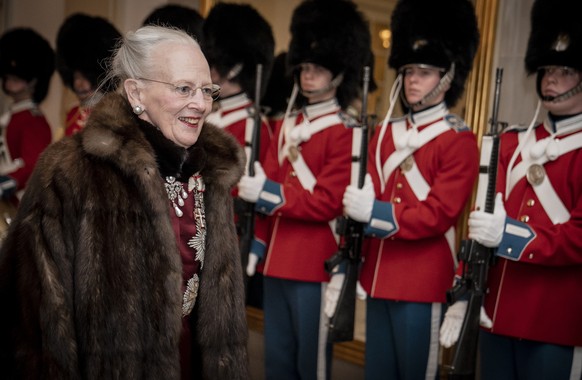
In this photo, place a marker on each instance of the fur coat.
(90, 274)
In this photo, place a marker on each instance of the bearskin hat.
(437, 33)
(335, 35)
(84, 44)
(237, 34)
(27, 55)
(556, 35)
(178, 16)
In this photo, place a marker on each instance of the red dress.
(190, 231)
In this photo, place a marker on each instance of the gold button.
(293, 174)
(524, 218)
(509, 250)
(399, 185)
(531, 202)
(531, 256)
(397, 200)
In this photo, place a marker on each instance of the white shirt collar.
(323, 108)
(428, 115)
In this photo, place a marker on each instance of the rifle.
(476, 258)
(341, 326)
(247, 214)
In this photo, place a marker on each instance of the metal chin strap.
(335, 82)
(564, 96)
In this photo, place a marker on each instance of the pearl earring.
(138, 110)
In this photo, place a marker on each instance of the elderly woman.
(122, 261)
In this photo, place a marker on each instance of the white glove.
(332, 293)
(360, 292)
(249, 187)
(486, 228)
(252, 264)
(451, 327)
(358, 203)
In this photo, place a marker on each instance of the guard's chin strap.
(234, 72)
(564, 96)
(334, 83)
(440, 87)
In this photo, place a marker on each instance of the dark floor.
(341, 370)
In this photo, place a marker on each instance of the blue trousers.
(505, 358)
(402, 339)
(295, 331)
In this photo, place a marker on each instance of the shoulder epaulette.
(348, 120)
(36, 111)
(395, 119)
(516, 128)
(456, 123)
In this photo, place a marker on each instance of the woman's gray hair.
(133, 55)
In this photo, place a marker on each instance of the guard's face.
(176, 95)
(313, 78)
(82, 86)
(17, 88)
(557, 80)
(419, 81)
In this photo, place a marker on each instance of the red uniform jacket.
(297, 231)
(534, 293)
(232, 115)
(27, 135)
(76, 119)
(416, 263)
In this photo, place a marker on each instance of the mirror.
(474, 107)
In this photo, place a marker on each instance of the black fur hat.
(556, 35)
(436, 33)
(27, 55)
(84, 44)
(237, 34)
(178, 16)
(335, 35)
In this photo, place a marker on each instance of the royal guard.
(421, 171)
(27, 63)
(84, 45)
(236, 39)
(533, 297)
(306, 170)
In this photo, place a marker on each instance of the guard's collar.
(322, 108)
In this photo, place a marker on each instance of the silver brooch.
(190, 295)
(176, 194)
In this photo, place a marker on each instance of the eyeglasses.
(209, 92)
(559, 71)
